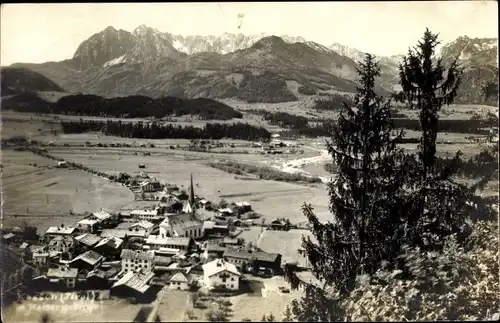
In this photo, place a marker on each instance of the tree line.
(154, 130)
(404, 242)
(134, 106)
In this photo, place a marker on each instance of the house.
(119, 233)
(280, 225)
(87, 225)
(214, 249)
(231, 241)
(62, 244)
(219, 273)
(63, 276)
(158, 241)
(225, 212)
(89, 260)
(100, 279)
(137, 260)
(205, 204)
(211, 228)
(136, 233)
(103, 217)
(243, 207)
(86, 241)
(111, 247)
(13, 267)
(150, 186)
(161, 262)
(240, 258)
(148, 215)
(170, 207)
(181, 225)
(195, 272)
(53, 232)
(40, 257)
(132, 284)
(8, 238)
(265, 261)
(143, 225)
(179, 282)
(180, 195)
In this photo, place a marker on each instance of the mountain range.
(254, 68)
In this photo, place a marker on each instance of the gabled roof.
(137, 281)
(239, 254)
(120, 233)
(168, 241)
(102, 215)
(143, 224)
(241, 204)
(62, 272)
(91, 257)
(265, 256)
(88, 239)
(87, 222)
(112, 242)
(60, 230)
(217, 266)
(61, 241)
(181, 221)
(132, 254)
(179, 277)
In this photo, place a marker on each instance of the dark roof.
(239, 254)
(266, 256)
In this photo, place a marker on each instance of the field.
(38, 192)
(287, 243)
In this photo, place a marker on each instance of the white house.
(62, 244)
(150, 186)
(87, 225)
(179, 282)
(136, 260)
(65, 276)
(40, 257)
(148, 215)
(58, 231)
(219, 273)
(181, 225)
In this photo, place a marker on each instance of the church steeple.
(191, 192)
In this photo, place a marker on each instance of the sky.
(36, 33)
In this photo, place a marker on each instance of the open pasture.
(269, 198)
(33, 185)
(287, 243)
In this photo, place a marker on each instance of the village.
(183, 242)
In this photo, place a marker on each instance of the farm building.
(211, 229)
(100, 279)
(179, 281)
(239, 258)
(63, 277)
(110, 247)
(157, 242)
(143, 225)
(225, 212)
(264, 261)
(280, 225)
(137, 260)
(119, 233)
(103, 217)
(62, 164)
(181, 225)
(89, 260)
(214, 249)
(180, 195)
(221, 274)
(133, 284)
(86, 241)
(243, 207)
(205, 204)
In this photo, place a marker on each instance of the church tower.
(189, 207)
